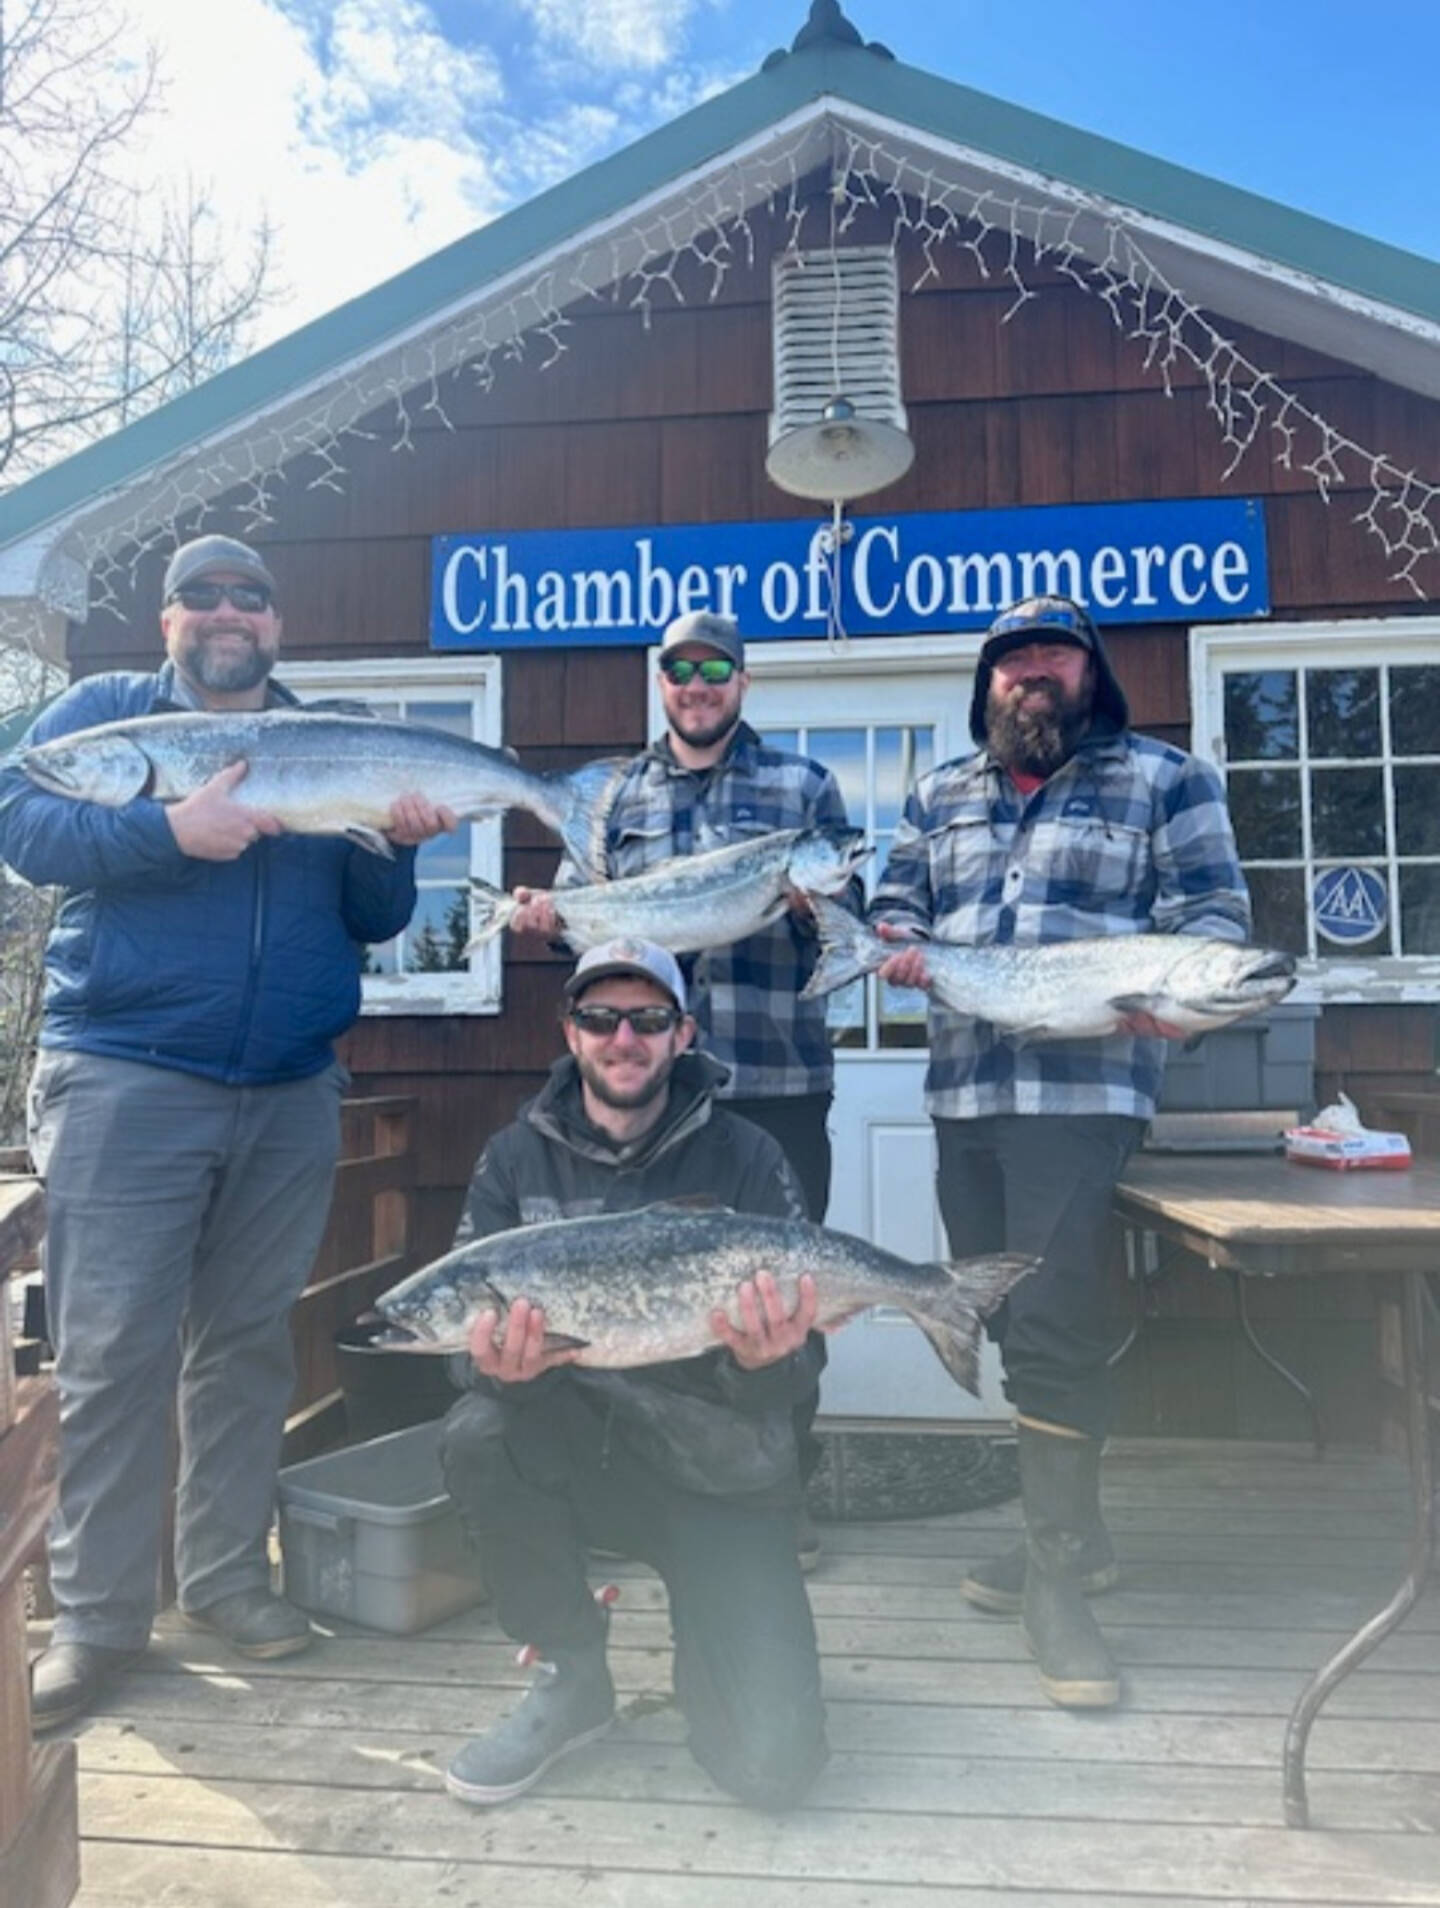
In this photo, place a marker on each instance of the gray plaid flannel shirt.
(1130, 836)
(744, 997)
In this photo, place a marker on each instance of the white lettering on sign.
(780, 592)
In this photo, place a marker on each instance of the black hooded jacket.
(704, 1423)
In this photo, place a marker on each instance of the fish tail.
(584, 798)
(848, 949)
(491, 910)
(973, 1289)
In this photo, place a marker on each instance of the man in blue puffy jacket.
(184, 1115)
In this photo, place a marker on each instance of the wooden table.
(1264, 1217)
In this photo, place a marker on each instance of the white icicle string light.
(709, 229)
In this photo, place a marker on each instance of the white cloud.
(350, 131)
(370, 139)
(614, 33)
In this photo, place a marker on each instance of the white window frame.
(1332, 643)
(478, 679)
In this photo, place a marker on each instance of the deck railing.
(367, 1246)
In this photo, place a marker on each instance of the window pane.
(383, 959)
(845, 1015)
(782, 738)
(446, 858)
(1420, 910)
(457, 718)
(902, 1016)
(1347, 812)
(901, 756)
(1415, 709)
(1343, 711)
(843, 753)
(1277, 897)
(1262, 716)
(1417, 810)
(1265, 809)
(436, 937)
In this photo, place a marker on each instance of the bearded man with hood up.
(1064, 826)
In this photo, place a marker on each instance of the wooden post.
(39, 1821)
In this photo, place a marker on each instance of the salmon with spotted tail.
(639, 1288)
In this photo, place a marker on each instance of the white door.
(879, 712)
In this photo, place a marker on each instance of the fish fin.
(848, 949)
(564, 1341)
(1137, 1016)
(973, 1289)
(586, 797)
(491, 910)
(689, 1202)
(988, 1279)
(958, 1350)
(370, 839)
(1032, 1030)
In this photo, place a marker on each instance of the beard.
(1037, 735)
(625, 1099)
(711, 733)
(231, 669)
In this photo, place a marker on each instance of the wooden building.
(1210, 416)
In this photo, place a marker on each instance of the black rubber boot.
(1059, 1478)
(570, 1703)
(997, 1585)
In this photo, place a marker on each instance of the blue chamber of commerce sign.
(1193, 560)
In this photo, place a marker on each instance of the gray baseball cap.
(720, 633)
(642, 960)
(201, 555)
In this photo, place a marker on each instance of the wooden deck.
(314, 1783)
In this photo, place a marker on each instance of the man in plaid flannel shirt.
(1065, 825)
(708, 781)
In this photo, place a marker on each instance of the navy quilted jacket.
(244, 971)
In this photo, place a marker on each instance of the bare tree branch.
(112, 298)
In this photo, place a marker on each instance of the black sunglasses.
(248, 598)
(683, 669)
(643, 1020)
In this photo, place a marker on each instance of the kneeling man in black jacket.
(689, 1466)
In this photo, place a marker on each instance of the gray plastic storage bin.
(369, 1534)
(1262, 1062)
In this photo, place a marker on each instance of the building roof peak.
(826, 26)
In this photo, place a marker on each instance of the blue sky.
(375, 131)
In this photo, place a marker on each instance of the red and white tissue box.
(1342, 1152)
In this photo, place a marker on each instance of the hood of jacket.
(1111, 712)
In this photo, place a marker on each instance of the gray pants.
(182, 1218)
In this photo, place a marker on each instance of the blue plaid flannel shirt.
(744, 997)
(1130, 836)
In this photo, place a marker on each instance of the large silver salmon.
(638, 1288)
(322, 773)
(693, 901)
(1172, 985)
